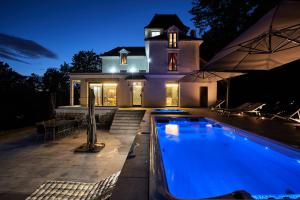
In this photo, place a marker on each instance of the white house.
(149, 76)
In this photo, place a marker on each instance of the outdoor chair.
(69, 190)
(289, 114)
(217, 105)
(288, 111)
(43, 131)
(246, 108)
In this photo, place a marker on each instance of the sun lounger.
(217, 105)
(69, 190)
(288, 115)
(286, 110)
(250, 108)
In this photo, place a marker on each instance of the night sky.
(59, 28)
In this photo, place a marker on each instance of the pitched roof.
(165, 21)
(133, 51)
(164, 36)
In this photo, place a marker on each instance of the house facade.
(149, 76)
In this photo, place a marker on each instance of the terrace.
(27, 164)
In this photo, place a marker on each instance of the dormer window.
(172, 40)
(155, 33)
(123, 58)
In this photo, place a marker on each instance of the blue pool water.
(168, 111)
(203, 159)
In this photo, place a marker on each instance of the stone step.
(126, 121)
(123, 131)
(125, 124)
(123, 128)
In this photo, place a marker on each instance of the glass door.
(172, 94)
(137, 94)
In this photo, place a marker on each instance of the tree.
(34, 82)
(53, 80)
(219, 22)
(86, 61)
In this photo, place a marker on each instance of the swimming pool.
(199, 158)
(169, 111)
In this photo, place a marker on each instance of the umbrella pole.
(227, 92)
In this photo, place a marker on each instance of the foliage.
(219, 22)
(86, 61)
(22, 102)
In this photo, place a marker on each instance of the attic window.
(172, 40)
(123, 58)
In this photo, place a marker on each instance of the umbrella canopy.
(208, 77)
(273, 41)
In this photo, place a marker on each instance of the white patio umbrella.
(207, 76)
(273, 41)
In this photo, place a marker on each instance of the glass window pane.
(109, 94)
(97, 87)
(172, 62)
(174, 40)
(172, 94)
(170, 40)
(123, 59)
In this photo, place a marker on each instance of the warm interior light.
(110, 84)
(172, 85)
(172, 129)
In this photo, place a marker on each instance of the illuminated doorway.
(137, 94)
(172, 94)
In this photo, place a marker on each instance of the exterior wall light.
(132, 70)
(113, 70)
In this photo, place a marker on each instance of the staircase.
(126, 121)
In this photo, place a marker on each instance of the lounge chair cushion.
(75, 190)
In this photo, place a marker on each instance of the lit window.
(97, 88)
(172, 61)
(173, 40)
(172, 94)
(109, 94)
(155, 33)
(105, 94)
(123, 59)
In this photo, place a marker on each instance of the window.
(123, 58)
(97, 87)
(105, 94)
(173, 40)
(109, 94)
(172, 61)
(155, 33)
(172, 94)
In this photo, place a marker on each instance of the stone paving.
(26, 164)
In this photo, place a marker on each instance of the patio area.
(26, 164)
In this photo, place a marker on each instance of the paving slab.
(26, 164)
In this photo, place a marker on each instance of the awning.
(208, 77)
(273, 41)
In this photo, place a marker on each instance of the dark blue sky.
(67, 26)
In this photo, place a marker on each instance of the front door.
(137, 94)
(203, 97)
